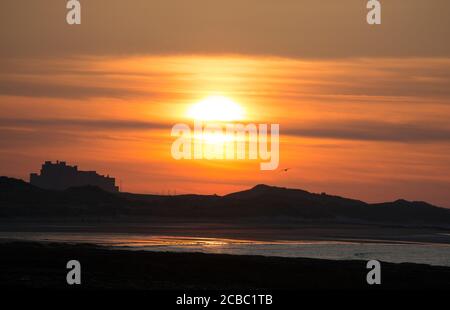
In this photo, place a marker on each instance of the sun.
(216, 108)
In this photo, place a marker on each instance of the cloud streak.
(367, 130)
(55, 90)
(82, 124)
(370, 130)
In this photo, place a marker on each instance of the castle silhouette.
(59, 176)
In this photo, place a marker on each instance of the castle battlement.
(60, 176)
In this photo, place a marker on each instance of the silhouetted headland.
(21, 199)
(262, 212)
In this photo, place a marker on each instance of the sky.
(363, 110)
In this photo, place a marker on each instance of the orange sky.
(364, 110)
(374, 129)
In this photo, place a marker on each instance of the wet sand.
(43, 265)
(257, 231)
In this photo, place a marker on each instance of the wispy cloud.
(55, 90)
(82, 124)
(367, 130)
(359, 120)
(370, 130)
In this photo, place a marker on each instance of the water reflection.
(397, 252)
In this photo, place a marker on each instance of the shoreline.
(42, 265)
(256, 231)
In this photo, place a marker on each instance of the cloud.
(372, 131)
(292, 28)
(55, 90)
(24, 140)
(368, 130)
(173, 77)
(81, 124)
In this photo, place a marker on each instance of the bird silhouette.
(285, 170)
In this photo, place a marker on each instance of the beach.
(43, 265)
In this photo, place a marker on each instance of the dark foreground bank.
(39, 265)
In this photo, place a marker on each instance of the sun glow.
(216, 108)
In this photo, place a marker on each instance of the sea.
(437, 254)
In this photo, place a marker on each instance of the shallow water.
(429, 253)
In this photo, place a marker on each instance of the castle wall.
(59, 176)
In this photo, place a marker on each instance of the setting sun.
(216, 108)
